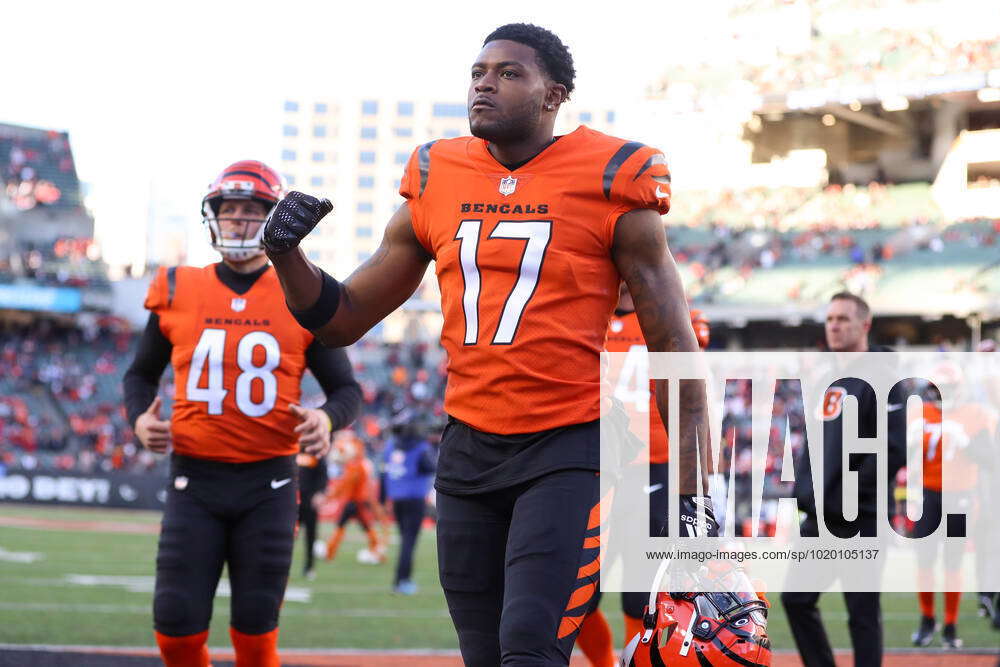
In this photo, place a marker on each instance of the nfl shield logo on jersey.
(507, 185)
(238, 304)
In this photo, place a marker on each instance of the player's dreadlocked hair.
(553, 55)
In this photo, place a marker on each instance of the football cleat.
(925, 633)
(405, 587)
(987, 607)
(369, 557)
(949, 637)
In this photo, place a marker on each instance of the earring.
(548, 107)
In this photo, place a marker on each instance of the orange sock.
(926, 603)
(334, 543)
(186, 651)
(595, 640)
(255, 650)
(951, 601)
(374, 545)
(633, 627)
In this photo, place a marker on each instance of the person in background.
(410, 462)
(355, 493)
(313, 479)
(848, 323)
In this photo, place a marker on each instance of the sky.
(157, 98)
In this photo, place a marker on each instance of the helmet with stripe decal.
(709, 629)
(246, 179)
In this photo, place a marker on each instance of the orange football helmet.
(701, 629)
(246, 179)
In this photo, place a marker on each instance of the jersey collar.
(488, 163)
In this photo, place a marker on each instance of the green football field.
(86, 577)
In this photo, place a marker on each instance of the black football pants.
(519, 567)
(864, 622)
(241, 514)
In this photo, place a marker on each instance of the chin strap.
(240, 254)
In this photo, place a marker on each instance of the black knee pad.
(633, 604)
(529, 633)
(256, 612)
(176, 615)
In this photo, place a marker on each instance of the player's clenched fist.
(291, 220)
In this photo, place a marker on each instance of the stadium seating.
(37, 168)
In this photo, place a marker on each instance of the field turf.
(85, 577)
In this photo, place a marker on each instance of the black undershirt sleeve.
(333, 371)
(142, 379)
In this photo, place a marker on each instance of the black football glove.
(690, 525)
(291, 220)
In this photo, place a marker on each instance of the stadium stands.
(37, 169)
(762, 248)
(841, 46)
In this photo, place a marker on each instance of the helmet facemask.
(249, 180)
(234, 249)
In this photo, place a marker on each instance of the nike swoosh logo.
(277, 484)
(660, 193)
(652, 487)
(892, 407)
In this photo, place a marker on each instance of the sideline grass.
(350, 605)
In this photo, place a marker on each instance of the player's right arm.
(141, 384)
(338, 314)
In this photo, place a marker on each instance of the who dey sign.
(806, 447)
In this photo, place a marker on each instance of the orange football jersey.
(944, 440)
(238, 361)
(634, 388)
(355, 482)
(523, 260)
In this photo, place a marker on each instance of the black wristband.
(319, 313)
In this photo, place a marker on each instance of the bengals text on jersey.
(238, 361)
(523, 260)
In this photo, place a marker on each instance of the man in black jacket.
(848, 322)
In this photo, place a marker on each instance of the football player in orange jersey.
(955, 439)
(531, 235)
(625, 335)
(238, 358)
(354, 490)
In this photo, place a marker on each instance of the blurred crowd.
(396, 378)
(840, 45)
(60, 404)
(66, 262)
(885, 55)
(722, 239)
(35, 168)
